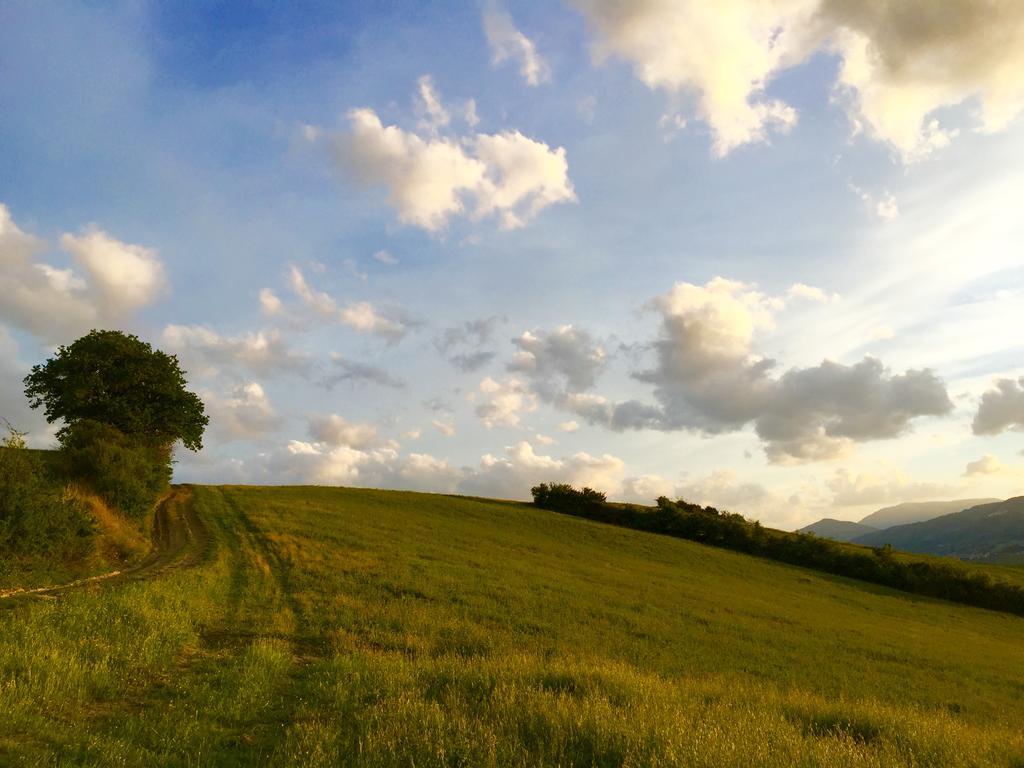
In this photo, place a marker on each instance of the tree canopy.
(117, 379)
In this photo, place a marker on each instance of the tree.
(117, 379)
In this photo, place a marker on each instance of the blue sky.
(764, 256)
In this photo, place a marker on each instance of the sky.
(760, 254)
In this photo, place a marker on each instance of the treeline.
(40, 512)
(707, 525)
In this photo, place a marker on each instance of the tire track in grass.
(180, 540)
(262, 742)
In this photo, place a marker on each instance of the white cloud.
(335, 430)
(390, 324)
(881, 332)
(246, 413)
(899, 63)
(445, 428)
(508, 43)
(512, 475)
(324, 464)
(986, 465)
(885, 207)
(270, 304)
(707, 378)
(723, 53)
(263, 352)
(433, 115)
(501, 404)
(54, 303)
(890, 487)
(722, 489)
(431, 178)
(568, 426)
(543, 439)
(125, 277)
(1001, 408)
(365, 317)
(810, 293)
(385, 258)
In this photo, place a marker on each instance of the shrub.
(37, 514)
(562, 497)
(129, 473)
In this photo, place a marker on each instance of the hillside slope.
(988, 532)
(354, 627)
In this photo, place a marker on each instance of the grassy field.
(353, 627)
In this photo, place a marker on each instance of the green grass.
(371, 628)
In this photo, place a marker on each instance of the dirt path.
(179, 540)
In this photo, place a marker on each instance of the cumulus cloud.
(568, 426)
(900, 62)
(464, 345)
(721, 488)
(707, 378)
(334, 430)
(724, 54)
(986, 465)
(1001, 408)
(430, 178)
(388, 323)
(54, 303)
(245, 414)
(355, 372)
(324, 464)
(850, 489)
(558, 362)
(512, 475)
(509, 44)
(125, 277)
(205, 351)
(502, 404)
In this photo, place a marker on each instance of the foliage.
(117, 379)
(564, 498)
(943, 579)
(37, 515)
(344, 627)
(127, 473)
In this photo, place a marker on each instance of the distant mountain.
(918, 511)
(901, 514)
(991, 532)
(840, 530)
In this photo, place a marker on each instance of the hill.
(328, 626)
(987, 532)
(840, 530)
(918, 511)
(887, 517)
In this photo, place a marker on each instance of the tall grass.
(363, 628)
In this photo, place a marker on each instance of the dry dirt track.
(179, 540)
